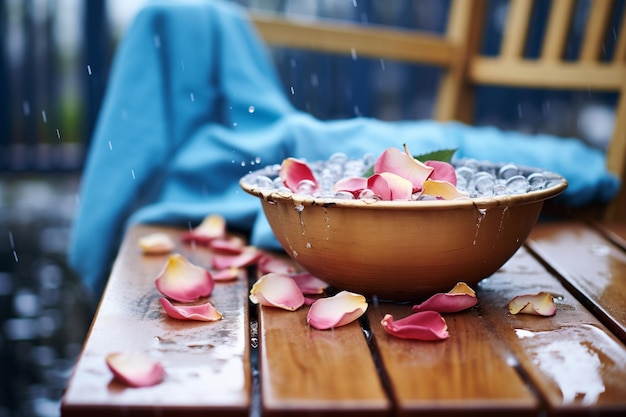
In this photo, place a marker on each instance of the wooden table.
(265, 361)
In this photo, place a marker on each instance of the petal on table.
(403, 164)
(338, 310)
(443, 189)
(424, 325)
(308, 283)
(200, 312)
(540, 304)
(183, 281)
(229, 245)
(277, 290)
(293, 171)
(135, 369)
(459, 298)
(248, 256)
(268, 263)
(212, 227)
(156, 243)
(442, 171)
(227, 274)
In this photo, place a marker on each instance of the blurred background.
(54, 63)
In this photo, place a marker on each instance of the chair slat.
(597, 22)
(619, 57)
(559, 23)
(516, 30)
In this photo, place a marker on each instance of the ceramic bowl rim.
(481, 202)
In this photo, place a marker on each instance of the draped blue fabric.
(193, 104)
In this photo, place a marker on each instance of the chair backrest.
(458, 53)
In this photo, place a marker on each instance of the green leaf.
(443, 155)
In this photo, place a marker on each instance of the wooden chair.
(465, 68)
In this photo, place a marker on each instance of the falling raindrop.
(353, 53)
(382, 64)
(182, 65)
(251, 109)
(520, 113)
(354, 3)
(26, 108)
(292, 90)
(132, 172)
(89, 69)
(110, 146)
(44, 117)
(192, 97)
(58, 134)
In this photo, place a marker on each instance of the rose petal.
(335, 311)
(227, 274)
(248, 256)
(293, 171)
(212, 227)
(403, 164)
(268, 263)
(352, 185)
(443, 189)
(156, 243)
(183, 281)
(424, 325)
(459, 298)
(135, 369)
(231, 245)
(390, 186)
(277, 290)
(201, 312)
(442, 171)
(308, 283)
(540, 304)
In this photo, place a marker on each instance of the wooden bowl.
(400, 250)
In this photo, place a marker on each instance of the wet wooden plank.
(305, 371)
(592, 266)
(467, 374)
(573, 361)
(206, 364)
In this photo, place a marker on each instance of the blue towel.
(193, 104)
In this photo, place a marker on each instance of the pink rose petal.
(212, 227)
(229, 245)
(293, 171)
(201, 312)
(277, 290)
(443, 189)
(352, 185)
(540, 304)
(227, 274)
(135, 369)
(268, 263)
(156, 244)
(442, 171)
(424, 325)
(390, 186)
(338, 310)
(309, 284)
(248, 256)
(183, 281)
(403, 164)
(459, 298)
